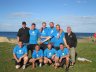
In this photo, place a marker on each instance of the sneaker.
(17, 66)
(40, 65)
(24, 66)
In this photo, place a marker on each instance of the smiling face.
(33, 26)
(49, 46)
(43, 24)
(20, 44)
(69, 29)
(61, 46)
(51, 24)
(57, 27)
(37, 48)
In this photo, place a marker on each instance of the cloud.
(20, 15)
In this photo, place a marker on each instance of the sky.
(79, 14)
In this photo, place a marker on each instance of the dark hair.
(37, 45)
(23, 23)
(21, 41)
(61, 44)
(52, 22)
(33, 24)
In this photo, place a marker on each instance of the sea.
(14, 34)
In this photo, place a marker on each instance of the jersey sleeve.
(67, 51)
(25, 49)
(45, 53)
(14, 50)
(33, 54)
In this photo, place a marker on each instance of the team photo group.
(49, 45)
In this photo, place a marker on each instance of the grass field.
(86, 50)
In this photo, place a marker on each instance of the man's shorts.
(62, 62)
(31, 47)
(20, 63)
(43, 46)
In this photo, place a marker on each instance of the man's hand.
(60, 59)
(50, 61)
(19, 60)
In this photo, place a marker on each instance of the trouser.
(72, 54)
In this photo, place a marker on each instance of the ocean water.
(14, 34)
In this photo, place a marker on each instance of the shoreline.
(14, 40)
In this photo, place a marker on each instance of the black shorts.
(62, 62)
(43, 46)
(57, 48)
(20, 63)
(31, 47)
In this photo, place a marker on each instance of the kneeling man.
(49, 54)
(37, 56)
(62, 57)
(20, 55)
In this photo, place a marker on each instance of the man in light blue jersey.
(44, 35)
(34, 35)
(62, 57)
(37, 56)
(20, 55)
(49, 54)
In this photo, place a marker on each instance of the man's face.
(49, 46)
(37, 48)
(61, 47)
(51, 25)
(43, 25)
(33, 27)
(20, 44)
(68, 29)
(23, 25)
(58, 28)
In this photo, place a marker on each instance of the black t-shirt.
(71, 39)
(23, 34)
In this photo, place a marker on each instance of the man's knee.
(41, 60)
(25, 58)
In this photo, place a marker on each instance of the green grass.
(86, 50)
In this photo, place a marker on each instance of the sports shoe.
(24, 66)
(40, 65)
(17, 66)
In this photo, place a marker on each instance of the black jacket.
(71, 39)
(23, 34)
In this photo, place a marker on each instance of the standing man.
(70, 41)
(23, 33)
(20, 55)
(44, 35)
(34, 35)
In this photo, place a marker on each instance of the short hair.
(58, 25)
(61, 44)
(43, 22)
(52, 22)
(33, 24)
(50, 43)
(20, 41)
(37, 45)
(23, 23)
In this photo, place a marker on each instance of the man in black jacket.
(23, 33)
(70, 41)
